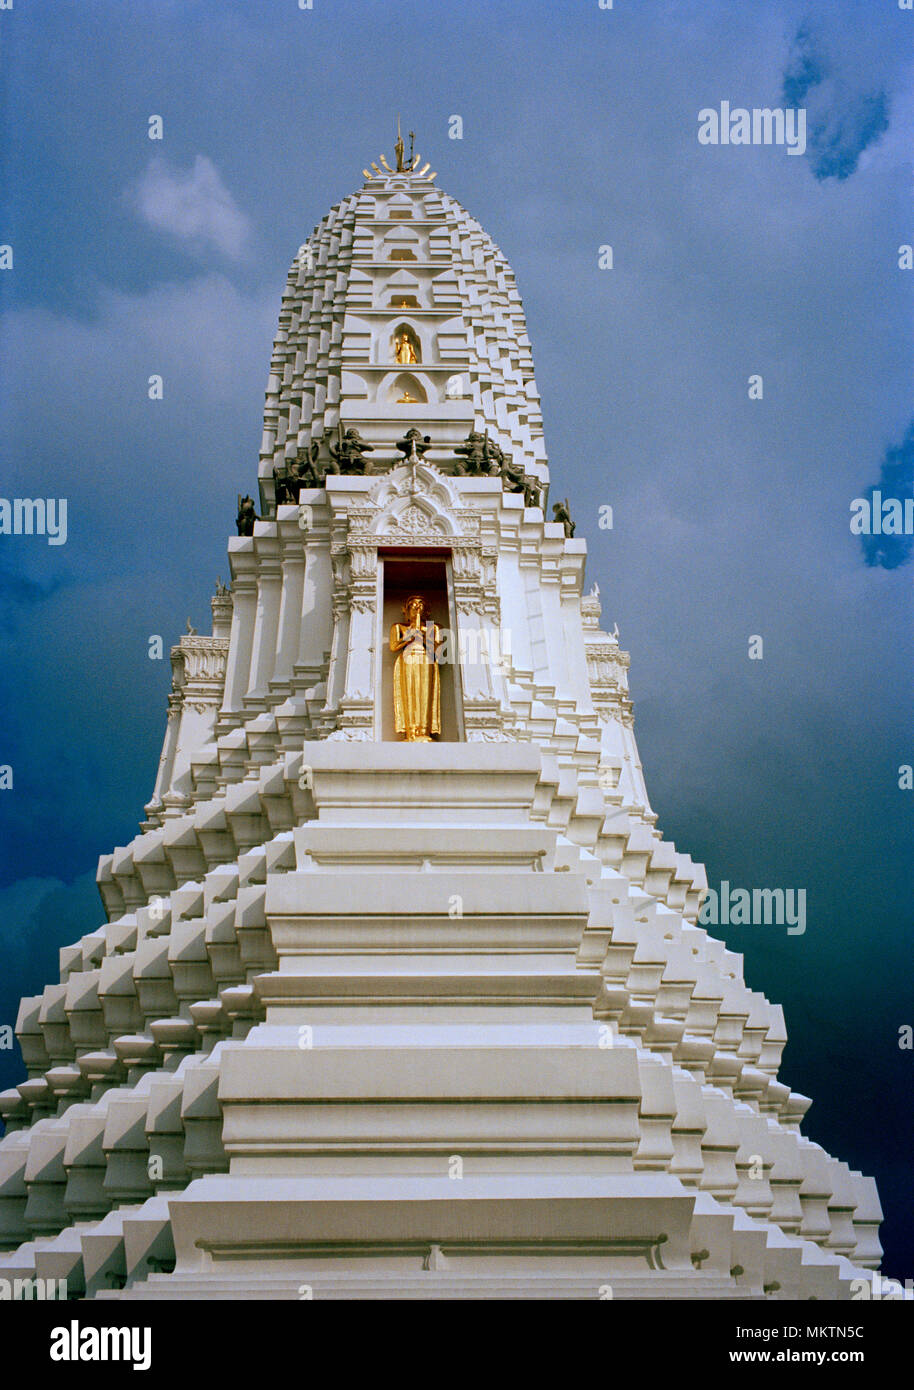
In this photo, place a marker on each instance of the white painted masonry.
(375, 1019)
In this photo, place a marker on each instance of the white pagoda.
(381, 1016)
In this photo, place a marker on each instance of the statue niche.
(405, 346)
(417, 684)
(400, 207)
(406, 390)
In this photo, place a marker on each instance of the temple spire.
(404, 164)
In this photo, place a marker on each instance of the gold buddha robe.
(417, 684)
(404, 352)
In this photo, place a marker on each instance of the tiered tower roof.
(400, 256)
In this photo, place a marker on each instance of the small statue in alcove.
(417, 685)
(404, 351)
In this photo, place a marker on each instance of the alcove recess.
(426, 572)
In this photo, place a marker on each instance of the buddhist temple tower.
(371, 1016)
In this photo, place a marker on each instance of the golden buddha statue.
(404, 352)
(417, 685)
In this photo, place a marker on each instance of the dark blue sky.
(135, 257)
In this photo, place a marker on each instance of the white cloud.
(194, 205)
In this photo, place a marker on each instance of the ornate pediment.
(417, 523)
(416, 504)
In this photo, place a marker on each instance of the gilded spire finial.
(403, 164)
